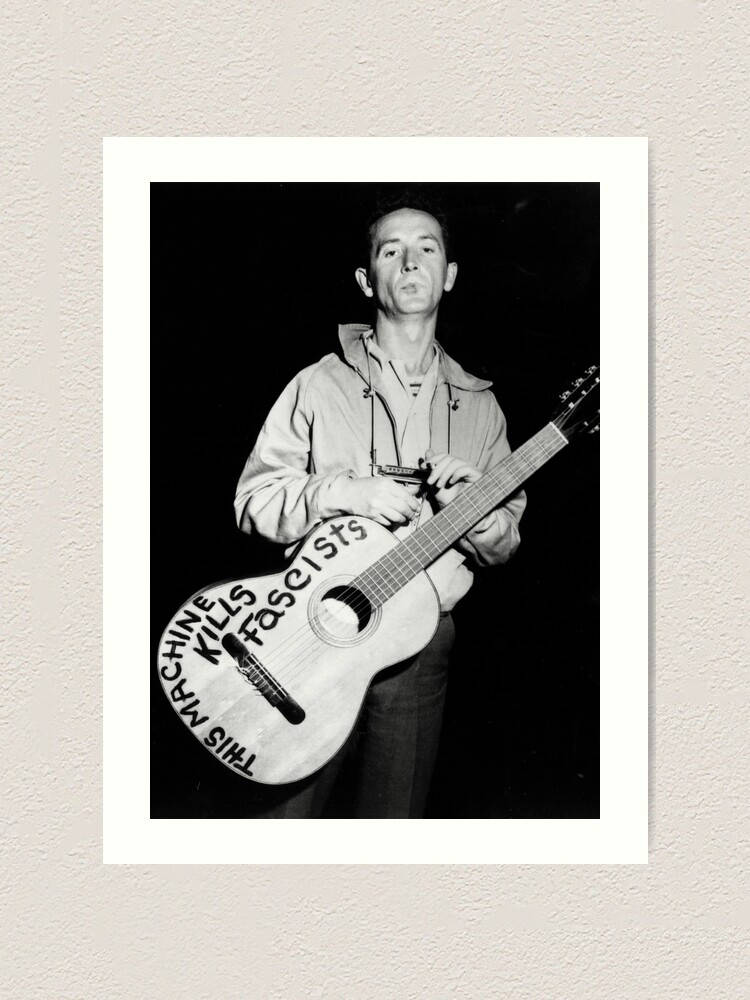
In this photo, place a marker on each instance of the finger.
(409, 510)
(471, 474)
(389, 514)
(394, 515)
(443, 472)
(404, 499)
(457, 474)
(437, 465)
(447, 473)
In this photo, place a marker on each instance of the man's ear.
(450, 277)
(363, 281)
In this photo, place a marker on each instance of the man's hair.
(415, 200)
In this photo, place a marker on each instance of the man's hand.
(448, 475)
(381, 499)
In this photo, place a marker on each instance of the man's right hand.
(377, 497)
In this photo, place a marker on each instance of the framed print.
(369, 405)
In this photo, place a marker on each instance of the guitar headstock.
(580, 409)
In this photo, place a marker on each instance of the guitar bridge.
(253, 671)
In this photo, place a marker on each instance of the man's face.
(408, 270)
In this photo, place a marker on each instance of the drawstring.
(369, 394)
(452, 405)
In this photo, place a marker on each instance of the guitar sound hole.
(341, 614)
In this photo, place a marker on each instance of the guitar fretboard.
(392, 571)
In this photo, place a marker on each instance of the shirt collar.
(353, 335)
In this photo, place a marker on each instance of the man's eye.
(389, 253)
(428, 249)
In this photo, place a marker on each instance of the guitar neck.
(392, 571)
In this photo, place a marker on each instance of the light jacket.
(319, 430)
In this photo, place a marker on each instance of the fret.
(371, 589)
(418, 540)
(393, 570)
(477, 507)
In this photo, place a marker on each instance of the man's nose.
(410, 261)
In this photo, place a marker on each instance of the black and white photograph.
(375, 500)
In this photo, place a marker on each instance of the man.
(391, 397)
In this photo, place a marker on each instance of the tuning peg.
(564, 395)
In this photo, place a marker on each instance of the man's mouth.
(411, 286)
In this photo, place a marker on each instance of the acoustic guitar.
(269, 672)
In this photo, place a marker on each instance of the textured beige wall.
(75, 72)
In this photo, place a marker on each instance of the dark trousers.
(392, 749)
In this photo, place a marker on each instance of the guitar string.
(362, 601)
(294, 647)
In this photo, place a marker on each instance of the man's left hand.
(448, 475)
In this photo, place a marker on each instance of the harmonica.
(402, 473)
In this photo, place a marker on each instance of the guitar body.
(270, 672)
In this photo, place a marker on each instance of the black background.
(248, 284)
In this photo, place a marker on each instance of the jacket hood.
(353, 335)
